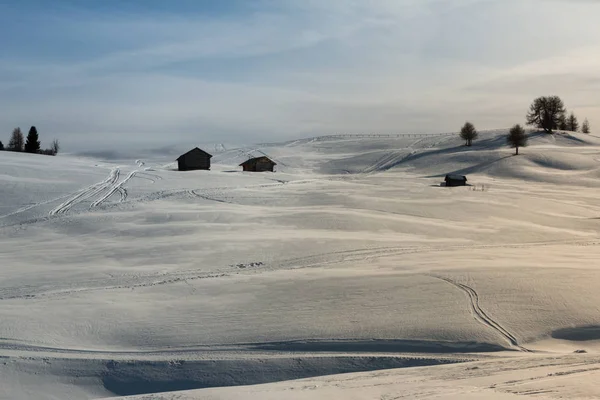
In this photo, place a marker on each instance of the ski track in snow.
(89, 192)
(131, 282)
(386, 161)
(202, 193)
(111, 185)
(481, 315)
(391, 160)
(206, 197)
(123, 193)
(382, 252)
(513, 385)
(115, 188)
(152, 177)
(31, 206)
(118, 283)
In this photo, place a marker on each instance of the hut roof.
(256, 160)
(194, 150)
(455, 177)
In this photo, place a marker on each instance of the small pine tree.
(562, 124)
(16, 140)
(1, 145)
(468, 133)
(585, 127)
(516, 138)
(33, 143)
(572, 123)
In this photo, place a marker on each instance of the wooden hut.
(259, 164)
(455, 180)
(193, 160)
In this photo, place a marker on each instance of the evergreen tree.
(1, 145)
(546, 113)
(468, 133)
(562, 124)
(16, 140)
(572, 123)
(585, 127)
(33, 143)
(517, 138)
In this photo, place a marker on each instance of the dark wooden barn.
(259, 164)
(455, 180)
(194, 159)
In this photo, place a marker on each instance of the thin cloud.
(297, 68)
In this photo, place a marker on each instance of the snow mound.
(437, 155)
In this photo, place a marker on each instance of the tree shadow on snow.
(127, 378)
(380, 346)
(473, 169)
(578, 334)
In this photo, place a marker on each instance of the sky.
(144, 73)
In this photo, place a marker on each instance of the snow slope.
(126, 277)
(538, 377)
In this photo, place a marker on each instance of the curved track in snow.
(141, 280)
(397, 157)
(88, 192)
(114, 189)
(105, 189)
(481, 315)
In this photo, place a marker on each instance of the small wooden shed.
(193, 160)
(455, 180)
(259, 164)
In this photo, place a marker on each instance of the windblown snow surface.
(349, 273)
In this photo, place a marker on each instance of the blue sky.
(154, 72)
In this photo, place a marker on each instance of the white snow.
(126, 277)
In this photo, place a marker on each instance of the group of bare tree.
(32, 144)
(547, 113)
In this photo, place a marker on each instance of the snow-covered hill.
(125, 277)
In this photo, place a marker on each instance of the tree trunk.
(517, 151)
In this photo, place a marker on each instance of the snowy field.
(349, 273)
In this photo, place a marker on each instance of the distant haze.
(154, 73)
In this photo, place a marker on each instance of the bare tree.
(55, 147)
(17, 141)
(572, 123)
(468, 133)
(516, 138)
(585, 127)
(546, 113)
